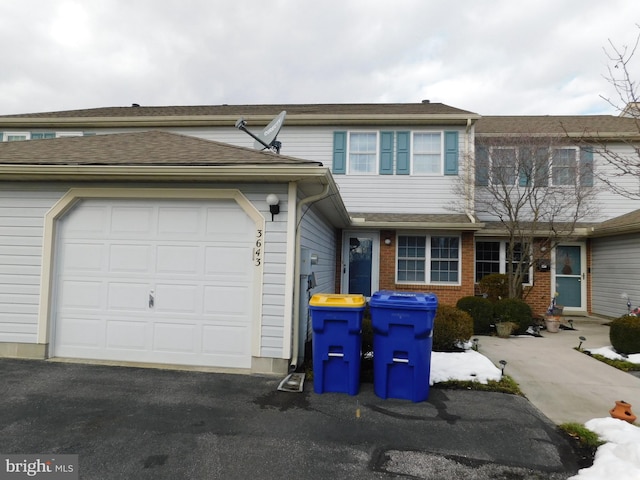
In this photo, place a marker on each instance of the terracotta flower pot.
(622, 411)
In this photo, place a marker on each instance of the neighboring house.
(146, 240)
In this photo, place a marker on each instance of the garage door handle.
(151, 299)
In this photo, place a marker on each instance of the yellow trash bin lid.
(331, 300)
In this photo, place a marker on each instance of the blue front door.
(569, 276)
(360, 264)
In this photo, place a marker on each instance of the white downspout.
(296, 276)
(470, 178)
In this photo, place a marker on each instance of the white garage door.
(155, 281)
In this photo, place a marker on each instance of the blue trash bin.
(402, 342)
(336, 320)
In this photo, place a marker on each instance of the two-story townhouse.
(595, 264)
(372, 196)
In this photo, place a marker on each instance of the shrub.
(451, 326)
(625, 334)
(481, 310)
(514, 310)
(495, 286)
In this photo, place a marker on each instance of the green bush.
(514, 310)
(481, 310)
(625, 334)
(451, 326)
(495, 286)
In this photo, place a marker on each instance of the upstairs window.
(427, 154)
(395, 153)
(363, 153)
(534, 166)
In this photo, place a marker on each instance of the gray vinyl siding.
(320, 238)
(615, 271)
(21, 228)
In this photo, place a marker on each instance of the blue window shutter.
(339, 165)
(386, 153)
(403, 155)
(482, 165)
(586, 166)
(450, 153)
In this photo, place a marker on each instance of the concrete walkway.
(564, 384)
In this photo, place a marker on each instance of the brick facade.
(538, 295)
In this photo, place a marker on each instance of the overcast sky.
(493, 57)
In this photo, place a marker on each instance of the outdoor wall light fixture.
(387, 241)
(582, 339)
(503, 363)
(274, 204)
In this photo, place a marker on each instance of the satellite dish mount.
(267, 138)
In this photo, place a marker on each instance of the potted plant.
(505, 328)
(552, 316)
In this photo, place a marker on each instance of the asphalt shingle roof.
(138, 148)
(582, 125)
(337, 109)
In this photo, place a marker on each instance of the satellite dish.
(267, 138)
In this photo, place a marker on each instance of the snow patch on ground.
(610, 353)
(617, 459)
(468, 365)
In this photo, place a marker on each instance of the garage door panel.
(225, 340)
(128, 296)
(81, 332)
(179, 223)
(178, 259)
(129, 258)
(132, 222)
(84, 257)
(228, 262)
(174, 298)
(127, 335)
(175, 338)
(226, 300)
(192, 258)
(83, 294)
(88, 222)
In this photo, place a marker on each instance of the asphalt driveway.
(131, 423)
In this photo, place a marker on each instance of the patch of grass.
(583, 441)
(623, 365)
(505, 385)
(585, 436)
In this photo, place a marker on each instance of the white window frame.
(413, 153)
(550, 165)
(427, 257)
(69, 134)
(503, 258)
(576, 167)
(6, 135)
(376, 166)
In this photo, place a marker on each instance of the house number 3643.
(257, 250)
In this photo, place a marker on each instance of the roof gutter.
(269, 173)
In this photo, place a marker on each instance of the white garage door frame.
(76, 194)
